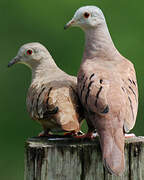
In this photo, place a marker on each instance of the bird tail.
(113, 152)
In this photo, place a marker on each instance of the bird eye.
(29, 52)
(86, 14)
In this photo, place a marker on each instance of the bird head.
(86, 17)
(30, 54)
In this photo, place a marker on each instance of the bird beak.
(13, 61)
(69, 24)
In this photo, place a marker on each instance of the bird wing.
(108, 92)
(57, 100)
(93, 87)
(102, 83)
(39, 104)
(131, 90)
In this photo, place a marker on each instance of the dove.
(107, 87)
(52, 98)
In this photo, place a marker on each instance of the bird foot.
(129, 135)
(74, 134)
(44, 134)
(89, 135)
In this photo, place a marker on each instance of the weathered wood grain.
(76, 159)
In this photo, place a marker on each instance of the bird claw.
(74, 134)
(44, 134)
(90, 135)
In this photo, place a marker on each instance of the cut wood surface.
(77, 159)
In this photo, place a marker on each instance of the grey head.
(30, 54)
(87, 17)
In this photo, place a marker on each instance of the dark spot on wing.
(86, 97)
(91, 76)
(133, 92)
(134, 83)
(97, 95)
(101, 81)
(38, 100)
(123, 89)
(130, 80)
(83, 87)
(106, 110)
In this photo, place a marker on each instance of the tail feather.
(107, 167)
(113, 152)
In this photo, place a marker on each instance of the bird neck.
(98, 42)
(44, 70)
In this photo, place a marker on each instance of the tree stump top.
(62, 158)
(61, 141)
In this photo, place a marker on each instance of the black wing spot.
(134, 83)
(101, 81)
(91, 76)
(133, 92)
(86, 97)
(106, 110)
(83, 87)
(123, 89)
(97, 95)
(130, 80)
(38, 99)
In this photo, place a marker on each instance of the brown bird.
(107, 87)
(52, 98)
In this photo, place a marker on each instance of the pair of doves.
(105, 92)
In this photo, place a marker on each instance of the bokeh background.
(43, 21)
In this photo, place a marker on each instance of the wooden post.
(76, 159)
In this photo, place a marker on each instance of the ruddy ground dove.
(52, 98)
(107, 87)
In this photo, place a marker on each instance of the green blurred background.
(43, 21)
